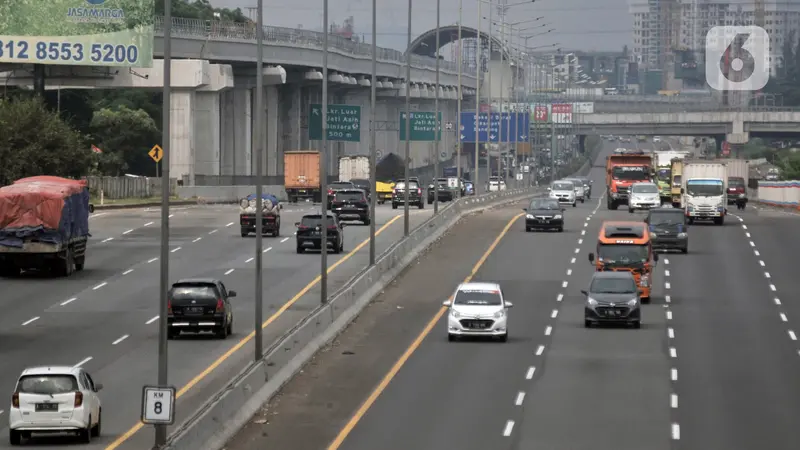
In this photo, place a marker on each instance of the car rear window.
(341, 185)
(314, 221)
(735, 182)
(350, 196)
(183, 294)
(47, 384)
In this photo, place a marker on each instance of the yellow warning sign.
(156, 153)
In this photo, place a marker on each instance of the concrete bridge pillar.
(207, 133)
(182, 136)
(242, 132)
(739, 136)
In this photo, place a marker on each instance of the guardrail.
(246, 32)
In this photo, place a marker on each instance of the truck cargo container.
(353, 168)
(301, 175)
(676, 174)
(704, 188)
(623, 170)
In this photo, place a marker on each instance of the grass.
(128, 201)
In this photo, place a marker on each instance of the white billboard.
(583, 108)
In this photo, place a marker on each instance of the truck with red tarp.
(44, 225)
(621, 172)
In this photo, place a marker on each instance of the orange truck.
(623, 170)
(626, 246)
(301, 175)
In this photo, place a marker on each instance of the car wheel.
(394, 205)
(575, 205)
(222, 333)
(230, 326)
(646, 300)
(504, 338)
(172, 334)
(245, 233)
(85, 435)
(366, 221)
(300, 249)
(560, 229)
(452, 337)
(583, 200)
(14, 437)
(98, 426)
(587, 323)
(637, 324)
(685, 250)
(421, 204)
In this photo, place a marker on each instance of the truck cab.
(626, 246)
(675, 176)
(622, 171)
(704, 190)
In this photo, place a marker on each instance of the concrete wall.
(779, 193)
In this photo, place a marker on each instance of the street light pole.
(438, 134)
(323, 163)
(259, 147)
(478, 61)
(372, 146)
(408, 126)
(458, 121)
(489, 100)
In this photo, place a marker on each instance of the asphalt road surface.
(714, 366)
(105, 317)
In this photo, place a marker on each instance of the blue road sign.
(504, 127)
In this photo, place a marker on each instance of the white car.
(478, 309)
(564, 192)
(580, 190)
(656, 138)
(496, 184)
(643, 196)
(54, 400)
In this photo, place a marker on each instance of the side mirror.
(681, 191)
(98, 387)
(549, 189)
(297, 224)
(280, 206)
(655, 257)
(525, 209)
(342, 225)
(509, 305)
(91, 208)
(231, 293)
(584, 292)
(447, 303)
(591, 257)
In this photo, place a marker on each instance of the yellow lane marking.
(351, 424)
(194, 381)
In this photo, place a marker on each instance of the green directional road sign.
(423, 126)
(344, 123)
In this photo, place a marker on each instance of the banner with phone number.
(77, 32)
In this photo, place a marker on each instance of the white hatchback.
(54, 399)
(478, 309)
(644, 195)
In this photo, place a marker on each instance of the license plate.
(194, 309)
(611, 313)
(315, 233)
(46, 407)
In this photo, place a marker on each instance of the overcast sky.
(577, 24)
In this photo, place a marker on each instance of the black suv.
(414, 193)
(446, 193)
(309, 233)
(338, 186)
(199, 304)
(349, 203)
(668, 229)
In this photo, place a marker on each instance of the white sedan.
(54, 399)
(478, 309)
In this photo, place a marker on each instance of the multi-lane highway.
(714, 366)
(105, 317)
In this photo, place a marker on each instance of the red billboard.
(562, 112)
(540, 114)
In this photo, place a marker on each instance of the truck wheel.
(394, 205)
(421, 204)
(68, 264)
(690, 221)
(79, 262)
(245, 233)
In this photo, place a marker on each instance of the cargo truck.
(738, 171)
(270, 215)
(663, 175)
(621, 172)
(301, 175)
(353, 168)
(44, 226)
(675, 175)
(704, 190)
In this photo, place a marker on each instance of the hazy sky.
(577, 24)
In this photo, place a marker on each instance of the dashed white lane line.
(744, 227)
(152, 260)
(580, 241)
(586, 224)
(583, 232)
(539, 350)
(212, 231)
(121, 339)
(1, 411)
(565, 284)
(666, 261)
(761, 263)
(30, 321)
(667, 285)
(230, 224)
(676, 432)
(249, 260)
(84, 361)
(673, 374)
(284, 240)
(68, 301)
(673, 400)
(752, 244)
(783, 317)
(530, 372)
(520, 398)
(148, 224)
(554, 314)
(569, 272)
(673, 353)
(127, 271)
(667, 298)
(755, 252)
(508, 428)
(104, 283)
(766, 274)
(560, 297)
(128, 231)
(107, 240)
(175, 249)
(577, 250)
(792, 336)
(572, 261)
(671, 333)
(267, 249)
(170, 216)
(669, 315)
(772, 288)
(151, 320)
(777, 301)
(666, 273)
(548, 330)
(747, 234)
(230, 271)
(196, 240)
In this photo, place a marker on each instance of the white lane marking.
(196, 239)
(580, 241)
(91, 217)
(586, 224)
(250, 259)
(1, 411)
(666, 273)
(669, 315)
(30, 321)
(565, 284)
(530, 372)
(520, 398)
(569, 271)
(673, 374)
(792, 336)
(673, 353)
(673, 400)
(572, 261)
(148, 224)
(128, 232)
(121, 339)
(761, 263)
(170, 216)
(152, 260)
(772, 287)
(554, 314)
(230, 271)
(777, 301)
(766, 274)
(747, 234)
(744, 227)
(667, 285)
(127, 271)
(212, 231)
(756, 253)
(560, 297)
(284, 240)
(68, 301)
(740, 219)
(84, 361)
(107, 239)
(577, 250)
(267, 249)
(752, 244)
(151, 320)
(666, 261)
(676, 432)
(667, 298)
(229, 224)
(583, 232)
(671, 333)
(508, 428)
(783, 317)
(548, 330)
(175, 249)
(539, 350)
(99, 286)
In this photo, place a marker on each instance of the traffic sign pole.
(408, 125)
(259, 146)
(323, 163)
(460, 68)
(373, 157)
(438, 130)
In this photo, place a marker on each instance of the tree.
(201, 9)
(790, 166)
(125, 135)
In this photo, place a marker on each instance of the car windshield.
(704, 188)
(477, 298)
(47, 384)
(622, 253)
(667, 217)
(442, 182)
(642, 188)
(315, 221)
(540, 204)
(563, 187)
(402, 185)
(361, 183)
(349, 196)
(735, 182)
(676, 181)
(577, 183)
(630, 173)
(664, 174)
(613, 286)
(340, 185)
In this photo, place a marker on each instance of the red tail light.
(330, 191)
(78, 399)
(331, 227)
(15, 400)
(220, 305)
(419, 191)
(302, 227)
(169, 306)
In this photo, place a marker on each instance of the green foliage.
(790, 166)
(125, 135)
(201, 9)
(35, 141)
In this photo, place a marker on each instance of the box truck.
(704, 188)
(301, 175)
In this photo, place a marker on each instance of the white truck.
(738, 177)
(353, 168)
(704, 191)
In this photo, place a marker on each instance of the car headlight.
(592, 302)
(681, 235)
(633, 302)
(529, 216)
(455, 313)
(644, 281)
(653, 235)
(741, 196)
(558, 216)
(499, 314)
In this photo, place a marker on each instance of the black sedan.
(309, 233)
(544, 214)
